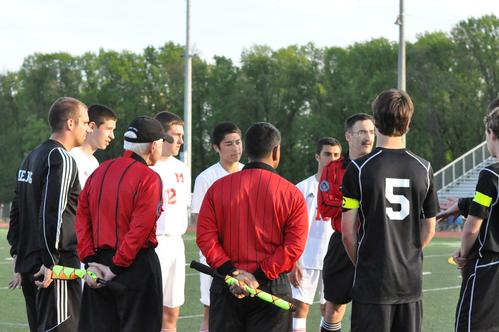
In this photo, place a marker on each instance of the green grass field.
(441, 288)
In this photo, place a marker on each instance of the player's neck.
(229, 167)
(87, 149)
(165, 158)
(319, 173)
(63, 140)
(390, 142)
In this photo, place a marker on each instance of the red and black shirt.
(118, 209)
(253, 220)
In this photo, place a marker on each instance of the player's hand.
(46, 274)
(449, 208)
(16, 281)
(16, 278)
(459, 259)
(91, 282)
(105, 271)
(244, 278)
(295, 276)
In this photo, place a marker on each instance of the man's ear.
(317, 157)
(348, 135)
(276, 155)
(70, 123)
(92, 125)
(215, 147)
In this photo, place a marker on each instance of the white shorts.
(204, 283)
(311, 278)
(171, 254)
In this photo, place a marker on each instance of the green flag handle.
(283, 304)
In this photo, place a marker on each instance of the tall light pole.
(187, 156)
(401, 60)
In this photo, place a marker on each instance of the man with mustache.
(338, 270)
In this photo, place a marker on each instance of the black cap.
(144, 129)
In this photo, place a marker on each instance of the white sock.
(299, 324)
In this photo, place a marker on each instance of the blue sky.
(219, 27)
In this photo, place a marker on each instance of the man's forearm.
(427, 231)
(350, 244)
(470, 233)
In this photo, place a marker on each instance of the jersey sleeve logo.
(482, 199)
(324, 186)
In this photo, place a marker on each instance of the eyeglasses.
(363, 132)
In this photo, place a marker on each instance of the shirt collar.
(133, 155)
(259, 165)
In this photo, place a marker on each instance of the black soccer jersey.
(44, 207)
(484, 205)
(393, 189)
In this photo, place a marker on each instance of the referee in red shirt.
(252, 225)
(116, 229)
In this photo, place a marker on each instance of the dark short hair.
(260, 139)
(100, 113)
(168, 119)
(491, 121)
(62, 109)
(352, 120)
(493, 104)
(392, 110)
(326, 141)
(222, 129)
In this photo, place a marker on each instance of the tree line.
(306, 91)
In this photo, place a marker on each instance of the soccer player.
(338, 270)
(226, 141)
(102, 123)
(173, 220)
(307, 272)
(116, 229)
(252, 225)
(478, 257)
(390, 205)
(42, 217)
(453, 205)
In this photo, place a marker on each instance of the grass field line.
(11, 324)
(440, 289)
(438, 255)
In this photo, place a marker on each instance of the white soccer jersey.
(176, 196)
(319, 231)
(204, 181)
(86, 164)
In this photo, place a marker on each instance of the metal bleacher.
(458, 179)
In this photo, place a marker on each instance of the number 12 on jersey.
(405, 206)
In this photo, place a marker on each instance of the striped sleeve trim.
(350, 203)
(67, 170)
(482, 199)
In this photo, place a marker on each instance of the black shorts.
(133, 301)
(250, 314)
(477, 308)
(386, 317)
(337, 272)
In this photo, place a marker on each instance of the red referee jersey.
(253, 220)
(118, 209)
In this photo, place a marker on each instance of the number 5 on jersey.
(405, 206)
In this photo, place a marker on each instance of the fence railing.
(459, 167)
